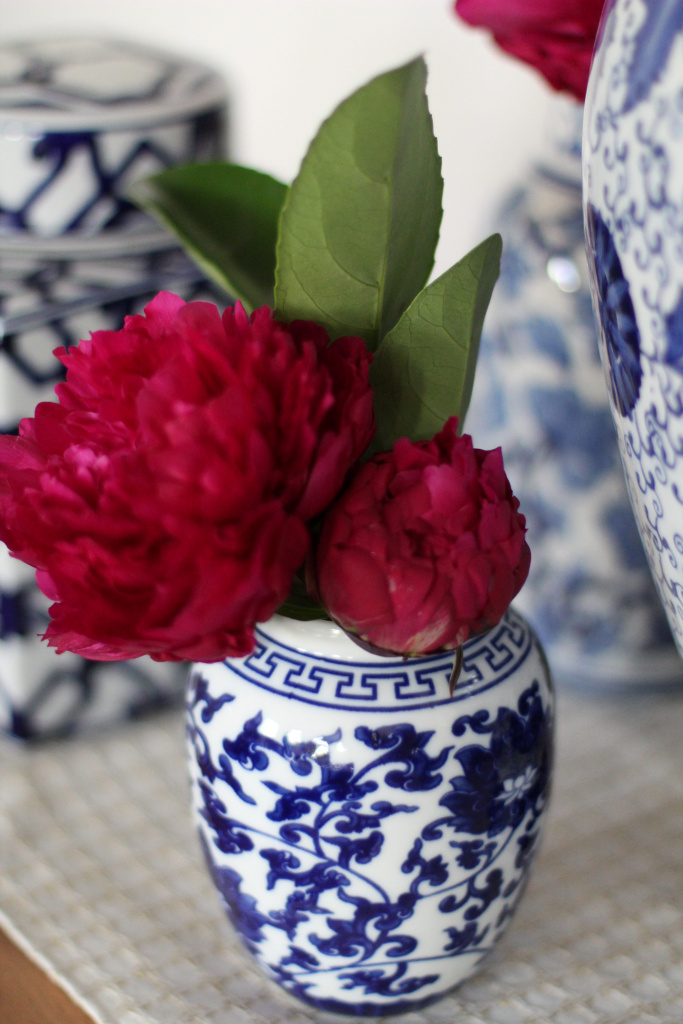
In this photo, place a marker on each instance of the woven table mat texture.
(102, 882)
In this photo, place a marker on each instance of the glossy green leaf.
(423, 371)
(300, 605)
(302, 608)
(361, 220)
(226, 217)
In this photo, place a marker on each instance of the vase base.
(393, 1009)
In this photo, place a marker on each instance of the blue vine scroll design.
(301, 877)
(633, 126)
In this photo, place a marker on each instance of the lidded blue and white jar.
(80, 120)
(633, 197)
(369, 835)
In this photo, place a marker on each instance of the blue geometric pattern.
(634, 212)
(43, 695)
(85, 118)
(102, 292)
(78, 695)
(105, 207)
(371, 863)
(280, 669)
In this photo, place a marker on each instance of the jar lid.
(80, 120)
(99, 84)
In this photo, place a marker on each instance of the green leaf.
(423, 371)
(302, 607)
(299, 604)
(226, 217)
(361, 221)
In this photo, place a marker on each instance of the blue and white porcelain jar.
(80, 120)
(633, 197)
(46, 303)
(369, 835)
(540, 393)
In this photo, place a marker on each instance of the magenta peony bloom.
(556, 37)
(424, 548)
(163, 501)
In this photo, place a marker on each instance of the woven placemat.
(102, 881)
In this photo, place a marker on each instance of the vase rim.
(325, 639)
(320, 637)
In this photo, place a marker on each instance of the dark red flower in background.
(424, 548)
(164, 499)
(556, 37)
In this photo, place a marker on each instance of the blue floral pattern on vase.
(617, 316)
(369, 836)
(663, 21)
(540, 393)
(633, 173)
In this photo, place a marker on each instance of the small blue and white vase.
(633, 198)
(540, 393)
(369, 835)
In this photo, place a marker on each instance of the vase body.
(369, 835)
(540, 394)
(633, 194)
(85, 118)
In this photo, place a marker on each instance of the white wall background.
(289, 62)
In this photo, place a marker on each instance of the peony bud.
(424, 548)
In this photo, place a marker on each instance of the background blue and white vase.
(80, 120)
(370, 836)
(540, 393)
(46, 302)
(633, 194)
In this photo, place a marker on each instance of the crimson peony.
(424, 548)
(163, 500)
(554, 36)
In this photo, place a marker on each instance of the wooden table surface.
(28, 996)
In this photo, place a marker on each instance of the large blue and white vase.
(540, 393)
(633, 197)
(369, 835)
